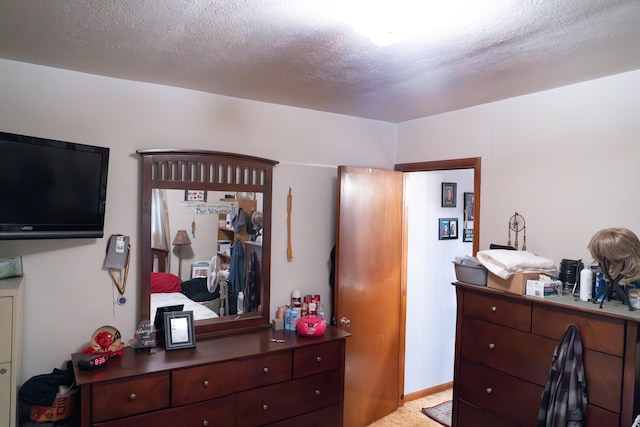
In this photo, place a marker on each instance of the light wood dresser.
(239, 380)
(11, 291)
(504, 349)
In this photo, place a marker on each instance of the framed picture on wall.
(449, 194)
(467, 235)
(468, 206)
(447, 228)
(195, 195)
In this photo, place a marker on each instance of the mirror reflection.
(207, 253)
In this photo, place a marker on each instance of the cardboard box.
(61, 409)
(536, 288)
(516, 283)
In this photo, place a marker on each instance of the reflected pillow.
(164, 283)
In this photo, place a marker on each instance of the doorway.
(430, 304)
(361, 204)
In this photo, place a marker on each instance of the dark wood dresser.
(504, 350)
(241, 380)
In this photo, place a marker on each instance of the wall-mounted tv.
(51, 189)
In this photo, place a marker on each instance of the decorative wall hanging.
(449, 194)
(448, 228)
(517, 225)
(195, 195)
(468, 206)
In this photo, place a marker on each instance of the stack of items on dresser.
(287, 316)
(511, 270)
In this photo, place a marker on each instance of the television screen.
(51, 189)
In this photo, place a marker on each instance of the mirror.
(206, 238)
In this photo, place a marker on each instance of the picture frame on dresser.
(179, 330)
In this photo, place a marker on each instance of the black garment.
(332, 285)
(41, 390)
(197, 290)
(250, 288)
(564, 399)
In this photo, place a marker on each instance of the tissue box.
(10, 267)
(516, 283)
(536, 288)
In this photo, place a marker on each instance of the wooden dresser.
(504, 350)
(241, 380)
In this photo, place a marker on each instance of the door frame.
(436, 165)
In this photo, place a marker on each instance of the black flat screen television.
(51, 189)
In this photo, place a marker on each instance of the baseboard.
(427, 391)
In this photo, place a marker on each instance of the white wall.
(566, 159)
(431, 299)
(582, 137)
(68, 294)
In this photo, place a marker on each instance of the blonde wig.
(618, 252)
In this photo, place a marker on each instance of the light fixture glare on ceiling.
(386, 22)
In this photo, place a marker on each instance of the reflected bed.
(174, 298)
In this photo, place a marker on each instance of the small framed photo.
(448, 228)
(200, 269)
(178, 330)
(449, 194)
(467, 235)
(195, 195)
(468, 206)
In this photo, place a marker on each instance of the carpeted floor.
(410, 415)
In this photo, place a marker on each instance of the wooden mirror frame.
(211, 171)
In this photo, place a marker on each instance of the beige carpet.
(410, 415)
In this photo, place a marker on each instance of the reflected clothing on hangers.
(236, 276)
(251, 288)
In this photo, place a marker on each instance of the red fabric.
(165, 283)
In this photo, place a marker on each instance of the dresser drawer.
(264, 370)
(217, 412)
(203, 382)
(506, 396)
(496, 309)
(603, 373)
(115, 399)
(317, 358)
(599, 333)
(326, 417)
(600, 417)
(509, 350)
(471, 416)
(285, 400)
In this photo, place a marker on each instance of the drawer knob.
(132, 396)
(265, 370)
(3, 371)
(317, 392)
(494, 308)
(205, 423)
(319, 359)
(265, 407)
(491, 346)
(205, 383)
(489, 390)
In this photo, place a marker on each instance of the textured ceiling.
(290, 52)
